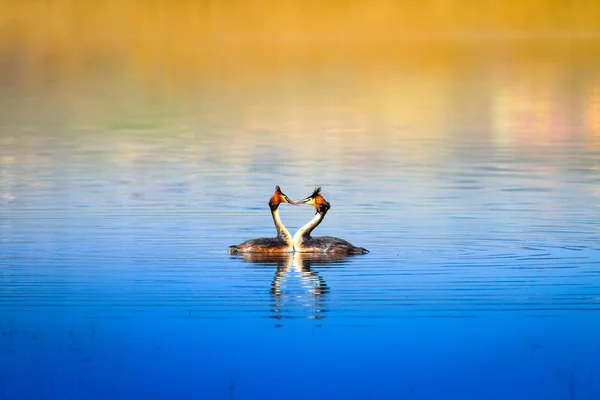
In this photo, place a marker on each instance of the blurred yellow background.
(185, 34)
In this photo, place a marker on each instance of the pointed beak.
(290, 201)
(304, 201)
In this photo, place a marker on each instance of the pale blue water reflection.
(477, 194)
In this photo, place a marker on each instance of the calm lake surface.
(475, 185)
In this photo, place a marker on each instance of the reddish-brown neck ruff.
(320, 204)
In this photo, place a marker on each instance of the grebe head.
(278, 198)
(317, 201)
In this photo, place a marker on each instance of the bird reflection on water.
(296, 287)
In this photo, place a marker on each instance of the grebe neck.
(282, 232)
(304, 232)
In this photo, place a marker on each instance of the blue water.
(477, 193)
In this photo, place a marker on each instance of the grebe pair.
(301, 241)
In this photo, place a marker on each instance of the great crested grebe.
(303, 242)
(283, 243)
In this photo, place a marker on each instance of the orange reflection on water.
(592, 112)
(532, 107)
